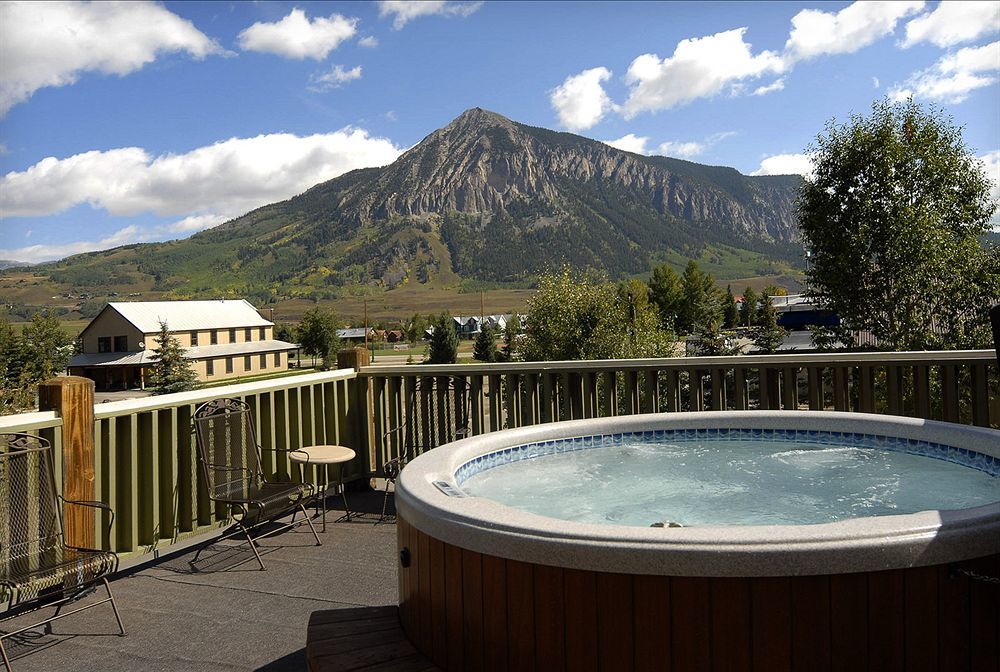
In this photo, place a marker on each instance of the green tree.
(485, 349)
(666, 294)
(284, 332)
(415, 328)
(41, 351)
(317, 334)
(730, 313)
(769, 335)
(700, 302)
(892, 218)
(510, 332)
(581, 316)
(444, 341)
(712, 341)
(748, 309)
(171, 371)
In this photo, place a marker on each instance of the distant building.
(223, 339)
(796, 312)
(356, 334)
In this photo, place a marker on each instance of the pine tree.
(444, 341)
(731, 314)
(171, 371)
(485, 349)
(769, 335)
(749, 311)
(665, 292)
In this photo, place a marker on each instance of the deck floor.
(221, 612)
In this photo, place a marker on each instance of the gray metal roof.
(144, 358)
(147, 357)
(230, 349)
(353, 332)
(190, 315)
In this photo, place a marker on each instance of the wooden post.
(72, 398)
(361, 415)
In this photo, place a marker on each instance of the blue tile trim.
(968, 458)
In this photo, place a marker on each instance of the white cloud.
(333, 78)
(296, 36)
(876, 83)
(630, 143)
(229, 177)
(991, 161)
(785, 164)
(368, 41)
(815, 32)
(580, 101)
(954, 22)
(681, 150)
(699, 68)
(776, 85)
(404, 11)
(954, 76)
(205, 187)
(52, 43)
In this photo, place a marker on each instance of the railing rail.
(955, 386)
(145, 458)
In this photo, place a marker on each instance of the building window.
(229, 364)
(213, 336)
(104, 344)
(194, 338)
(263, 361)
(232, 335)
(247, 334)
(246, 363)
(263, 334)
(121, 343)
(277, 359)
(209, 367)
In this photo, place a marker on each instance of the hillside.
(484, 201)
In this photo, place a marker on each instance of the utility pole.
(482, 307)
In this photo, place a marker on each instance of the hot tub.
(484, 585)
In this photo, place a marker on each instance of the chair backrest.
(438, 412)
(227, 446)
(30, 517)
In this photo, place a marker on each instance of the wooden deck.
(367, 639)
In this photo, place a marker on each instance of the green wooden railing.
(145, 459)
(955, 386)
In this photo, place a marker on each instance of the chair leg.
(385, 504)
(253, 546)
(6, 660)
(114, 605)
(311, 527)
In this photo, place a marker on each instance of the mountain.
(484, 199)
(10, 263)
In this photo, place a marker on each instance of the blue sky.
(138, 121)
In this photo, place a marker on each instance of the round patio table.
(324, 456)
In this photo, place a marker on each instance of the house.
(223, 339)
(394, 336)
(356, 335)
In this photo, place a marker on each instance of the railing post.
(72, 399)
(360, 417)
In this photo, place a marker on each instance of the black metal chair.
(37, 567)
(437, 412)
(230, 460)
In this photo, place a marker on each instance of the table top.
(322, 455)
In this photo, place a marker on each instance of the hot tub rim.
(855, 545)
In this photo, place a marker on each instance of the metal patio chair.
(37, 567)
(437, 412)
(230, 460)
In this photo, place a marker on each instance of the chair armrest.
(94, 505)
